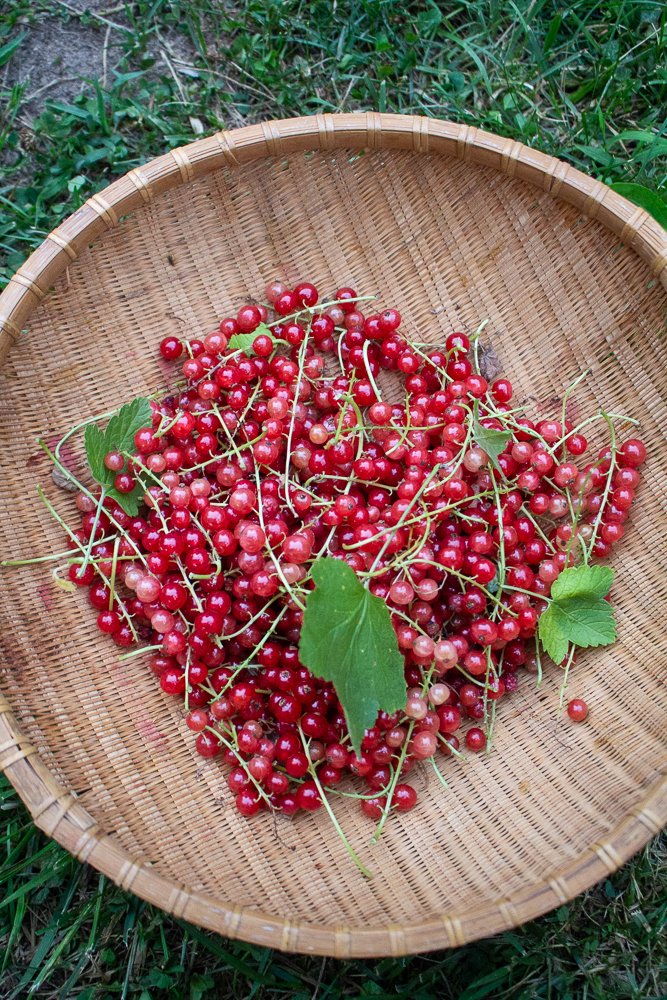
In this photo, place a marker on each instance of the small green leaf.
(552, 32)
(117, 436)
(429, 20)
(8, 50)
(74, 184)
(586, 621)
(583, 581)
(492, 441)
(596, 153)
(94, 441)
(126, 422)
(578, 612)
(649, 200)
(244, 341)
(200, 984)
(554, 641)
(157, 977)
(609, 889)
(347, 638)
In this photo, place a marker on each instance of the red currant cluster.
(281, 451)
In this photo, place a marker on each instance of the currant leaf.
(490, 440)
(583, 581)
(347, 638)
(554, 641)
(578, 612)
(118, 435)
(244, 341)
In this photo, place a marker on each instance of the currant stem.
(394, 781)
(332, 816)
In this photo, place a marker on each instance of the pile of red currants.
(278, 449)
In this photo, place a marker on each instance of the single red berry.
(389, 321)
(346, 297)
(305, 294)
(262, 345)
(577, 709)
(248, 319)
(475, 739)
(501, 390)
(171, 348)
(285, 303)
(458, 343)
(80, 576)
(196, 720)
(108, 622)
(374, 807)
(114, 461)
(248, 802)
(308, 796)
(297, 765)
(207, 744)
(404, 798)
(632, 453)
(172, 680)
(287, 804)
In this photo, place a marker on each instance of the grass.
(68, 932)
(585, 81)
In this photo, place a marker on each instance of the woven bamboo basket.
(451, 225)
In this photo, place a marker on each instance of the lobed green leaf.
(578, 613)
(117, 436)
(490, 440)
(347, 638)
(583, 581)
(244, 341)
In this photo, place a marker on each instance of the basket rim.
(54, 809)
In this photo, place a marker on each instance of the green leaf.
(347, 638)
(586, 621)
(596, 153)
(583, 581)
(8, 50)
(486, 986)
(637, 135)
(76, 183)
(649, 200)
(94, 442)
(429, 20)
(553, 639)
(492, 441)
(578, 612)
(552, 32)
(200, 984)
(126, 422)
(157, 977)
(117, 436)
(244, 341)
(68, 109)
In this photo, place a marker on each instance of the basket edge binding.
(55, 809)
